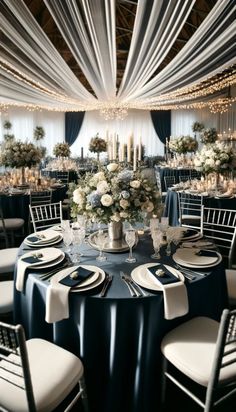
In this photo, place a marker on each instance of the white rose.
(112, 167)
(102, 187)
(99, 176)
(124, 203)
(116, 217)
(147, 206)
(124, 215)
(106, 200)
(135, 184)
(78, 196)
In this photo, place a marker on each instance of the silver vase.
(115, 230)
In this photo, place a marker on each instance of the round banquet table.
(118, 337)
(17, 205)
(171, 208)
(172, 171)
(73, 175)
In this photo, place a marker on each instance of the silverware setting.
(48, 275)
(134, 289)
(190, 272)
(106, 284)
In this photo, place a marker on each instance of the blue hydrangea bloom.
(125, 175)
(125, 194)
(94, 199)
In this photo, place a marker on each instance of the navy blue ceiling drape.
(161, 120)
(73, 123)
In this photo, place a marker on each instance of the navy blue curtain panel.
(73, 123)
(161, 120)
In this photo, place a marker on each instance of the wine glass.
(67, 239)
(130, 238)
(77, 240)
(101, 240)
(157, 238)
(65, 225)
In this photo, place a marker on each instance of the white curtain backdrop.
(24, 122)
(138, 123)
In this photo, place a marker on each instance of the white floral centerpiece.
(215, 158)
(61, 149)
(197, 127)
(209, 136)
(183, 144)
(20, 154)
(97, 145)
(115, 195)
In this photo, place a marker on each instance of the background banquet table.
(17, 205)
(118, 337)
(73, 175)
(171, 208)
(172, 171)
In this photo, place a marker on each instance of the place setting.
(75, 279)
(38, 260)
(168, 280)
(197, 258)
(43, 238)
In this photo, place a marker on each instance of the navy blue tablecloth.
(118, 337)
(172, 208)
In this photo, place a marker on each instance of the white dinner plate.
(58, 239)
(51, 256)
(194, 236)
(50, 237)
(196, 265)
(90, 283)
(144, 278)
(190, 256)
(199, 244)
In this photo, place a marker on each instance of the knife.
(105, 286)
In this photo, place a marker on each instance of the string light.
(221, 105)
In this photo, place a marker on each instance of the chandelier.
(111, 113)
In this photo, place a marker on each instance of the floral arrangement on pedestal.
(61, 150)
(215, 158)
(7, 136)
(183, 144)
(39, 133)
(115, 195)
(197, 127)
(20, 154)
(209, 136)
(97, 145)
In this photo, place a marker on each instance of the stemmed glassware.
(67, 239)
(101, 240)
(130, 238)
(77, 240)
(157, 238)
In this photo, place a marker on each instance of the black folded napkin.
(31, 259)
(168, 277)
(209, 253)
(33, 239)
(82, 273)
(189, 233)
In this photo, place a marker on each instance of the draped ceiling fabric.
(33, 73)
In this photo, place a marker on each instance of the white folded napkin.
(57, 302)
(175, 298)
(48, 255)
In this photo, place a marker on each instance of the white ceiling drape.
(34, 73)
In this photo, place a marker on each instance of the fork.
(194, 272)
(45, 276)
(107, 282)
(138, 290)
(132, 291)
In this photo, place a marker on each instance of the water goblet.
(65, 225)
(130, 238)
(101, 240)
(157, 238)
(77, 239)
(67, 240)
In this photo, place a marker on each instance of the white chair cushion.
(54, 373)
(13, 224)
(231, 285)
(8, 258)
(191, 348)
(6, 296)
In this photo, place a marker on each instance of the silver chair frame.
(12, 341)
(169, 181)
(189, 204)
(220, 225)
(45, 216)
(226, 337)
